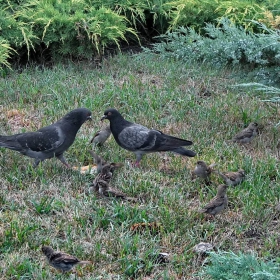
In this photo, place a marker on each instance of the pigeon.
(218, 203)
(50, 141)
(101, 136)
(203, 171)
(60, 260)
(247, 134)
(142, 140)
(232, 178)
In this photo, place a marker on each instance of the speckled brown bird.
(102, 187)
(100, 162)
(232, 178)
(218, 203)
(60, 260)
(203, 171)
(247, 134)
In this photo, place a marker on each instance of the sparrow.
(60, 260)
(247, 134)
(102, 187)
(218, 203)
(203, 171)
(141, 140)
(100, 162)
(232, 178)
(50, 141)
(101, 136)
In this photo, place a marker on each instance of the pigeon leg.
(62, 159)
(138, 158)
(36, 162)
(136, 164)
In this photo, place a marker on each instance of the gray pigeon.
(142, 140)
(218, 203)
(246, 135)
(101, 136)
(50, 141)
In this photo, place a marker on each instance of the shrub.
(226, 44)
(65, 28)
(241, 12)
(191, 13)
(5, 53)
(227, 265)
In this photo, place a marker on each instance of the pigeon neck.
(118, 123)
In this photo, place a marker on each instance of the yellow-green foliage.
(193, 13)
(240, 12)
(64, 27)
(5, 52)
(271, 20)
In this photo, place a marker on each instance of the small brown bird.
(100, 162)
(101, 136)
(247, 134)
(203, 171)
(102, 187)
(60, 260)
(218, 203)
(108, 191)
(232, 178)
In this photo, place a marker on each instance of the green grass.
(50, 205)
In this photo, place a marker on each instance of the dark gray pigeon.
(50, 141)
(142, 140)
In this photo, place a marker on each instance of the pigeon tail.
(169, 140)
(10, 143)
(184, 152)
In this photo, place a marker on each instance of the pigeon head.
(110, 114)
(78, 116)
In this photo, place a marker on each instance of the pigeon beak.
(103, 118)
(89, 118)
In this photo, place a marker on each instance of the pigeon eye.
(109, 114)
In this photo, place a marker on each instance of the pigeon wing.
(135, 137)
(46, 139)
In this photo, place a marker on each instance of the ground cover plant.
(47, 31)
(226, 44)
(50, 205)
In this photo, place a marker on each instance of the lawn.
(50, 205)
